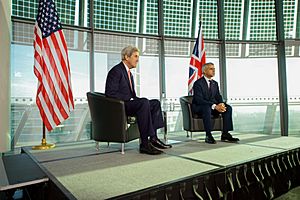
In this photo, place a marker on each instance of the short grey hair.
(128, 51)
(205, 66)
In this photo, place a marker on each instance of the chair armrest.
(108, 111)
(186, 109)
(104, 97)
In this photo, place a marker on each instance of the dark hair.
(206, 65)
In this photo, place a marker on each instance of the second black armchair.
(192, 122)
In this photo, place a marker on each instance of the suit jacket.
(118, 85)
(203, 96)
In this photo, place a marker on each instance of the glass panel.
(293, 82)
(262, 20)
(290, 15)
(108, 54)
(233, 13)
(177, 68)
(177, 48)
(67, 9)
(177, 17)
(152, 17)
(26, 128)
(260, 50)
(208, 12)
(149, 70)
(24, 8)
(252, 88)
(116, 15)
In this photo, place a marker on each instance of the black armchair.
(192, 122)
(109, 121)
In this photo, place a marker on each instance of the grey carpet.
(89, 174)
(104, 176)
(293, 194)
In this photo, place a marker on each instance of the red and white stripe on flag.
(198, 58)
(51, 66)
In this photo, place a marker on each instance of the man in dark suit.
(120, 85)
(207, 101)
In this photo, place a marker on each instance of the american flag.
(198, 58)
(51, 66)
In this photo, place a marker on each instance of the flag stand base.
(43, 146)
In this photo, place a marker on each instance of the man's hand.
(220, 107)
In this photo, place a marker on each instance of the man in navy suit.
(207, 101)
(120, 85)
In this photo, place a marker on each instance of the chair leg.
(165, 137)
(187, 134)
(165, 126)
(122, 148)
(97, 146)
(191, 135)
(107, 144)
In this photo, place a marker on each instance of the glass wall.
(177, 17)
(116, 15)
(250, 43)
(108, 54)
(149, 70)
(292, 32)
(208, 13)
(26, 124)
(292, 63)
(252, 88)
(177, 68)
(291, 18)
(67, 9)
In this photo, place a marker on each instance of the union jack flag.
(51, 66)
(198, 58)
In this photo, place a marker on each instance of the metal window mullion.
(161, 50)
(222, 49)
(81, 13)
(92, 48)
(142, 17)
(298, 21)
(194, 18)
(245, 26)
(282, 81)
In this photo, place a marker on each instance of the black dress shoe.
(210, 139)
(227, 137)
(159, 144)
(149, 149)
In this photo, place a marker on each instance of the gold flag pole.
(44, 144)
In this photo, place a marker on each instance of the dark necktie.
(209, 87)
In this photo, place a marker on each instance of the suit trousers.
(206, 112)
(148, 114)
